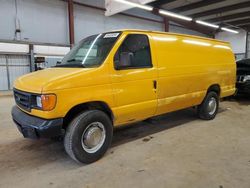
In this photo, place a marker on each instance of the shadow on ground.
(153, 125)
(241, 99)
(49, 151)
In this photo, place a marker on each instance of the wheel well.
(97, 105)
(215, 88)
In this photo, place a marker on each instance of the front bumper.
(35, 127)
(243, 87)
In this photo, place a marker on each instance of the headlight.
(46, 102)
(246, 78)
(38, 101)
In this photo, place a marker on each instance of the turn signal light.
(48, 102)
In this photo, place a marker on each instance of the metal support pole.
(71, 22)
(166, 24)
(32, 58)
(7, 70)
(247, 45)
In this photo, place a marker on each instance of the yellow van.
(117, 78)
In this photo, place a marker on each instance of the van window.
(138, 46)
(84, 50)
(91, 51)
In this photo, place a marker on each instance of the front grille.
(240, 78)
(23, 99)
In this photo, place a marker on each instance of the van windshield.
(91, 51)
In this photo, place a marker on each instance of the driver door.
(134, 83)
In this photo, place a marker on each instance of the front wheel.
(88, 136)
(208, 109)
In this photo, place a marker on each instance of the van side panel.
(187, 67)
(227, 72)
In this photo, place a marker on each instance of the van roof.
(171, 33)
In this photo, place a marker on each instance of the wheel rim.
(93, 137)
(212, 105)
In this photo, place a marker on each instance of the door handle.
(155, 84)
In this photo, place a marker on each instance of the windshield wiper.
(70, 65)
(70, 60)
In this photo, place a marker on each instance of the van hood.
(38, 81)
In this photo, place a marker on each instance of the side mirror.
(125, 60)
(58, 62)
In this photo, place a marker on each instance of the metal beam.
(193, 26)
(229, 17)
(247, 27)
(190, 25)
(121, 13)
(222, 9)
(113, 7)
(239, 22)
(71, 22)
(195, 5)
(159, 3)
(183, 24)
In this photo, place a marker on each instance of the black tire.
(74, 134)
(203, 110)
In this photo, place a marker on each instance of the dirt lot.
(174, 150)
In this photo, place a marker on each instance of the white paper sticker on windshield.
(111, 35)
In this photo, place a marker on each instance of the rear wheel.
(88, 136)
(208, 109)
